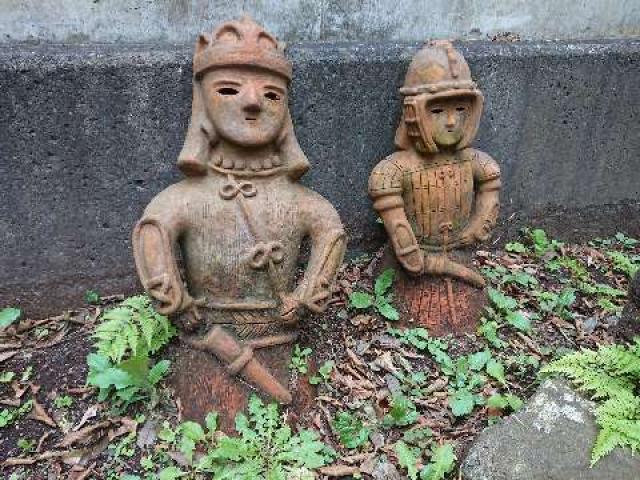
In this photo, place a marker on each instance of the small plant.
(624, 264)
(26, 445)
(442, 461)
(64, 401)
(501, 403)
(381, 300)
(489, 330)
(469, 378)
(541, 242)
(300, 359)
(324, 373)
(126, 382)
(9, 315)
(350, 429)
(420, 339)
(9, 416)
(121, 367)
(7, 377)
(188, 434)
(516, 247)
(503, 307)
(265, 448)
(558, 304)
(625, 241)
(402, 412)
(92, 297)
(611, 375)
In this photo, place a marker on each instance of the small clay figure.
(235, 225)
(436, 194)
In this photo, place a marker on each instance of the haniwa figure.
(235, 225)
(436, 194)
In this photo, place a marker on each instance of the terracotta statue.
(219, 250)
(436, 194)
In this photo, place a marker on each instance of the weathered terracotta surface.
(436, 194)
(219, 250)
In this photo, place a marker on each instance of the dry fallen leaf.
(339, 470)
(91, 412)
(38, 413)
(7, 355)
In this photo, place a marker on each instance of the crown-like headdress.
(240, 43)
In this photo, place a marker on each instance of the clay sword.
(240, 360)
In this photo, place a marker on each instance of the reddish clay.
(234, 226)
(436, 194)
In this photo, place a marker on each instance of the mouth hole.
(228, 91)
(250, 119)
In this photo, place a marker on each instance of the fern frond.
(611, 375)
(606, 441)
(132, 328)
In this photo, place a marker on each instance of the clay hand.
(161, 289)
(466, 238)
(191, 317)
(289, 307)
(413, 262)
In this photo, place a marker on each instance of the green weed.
(381, 300)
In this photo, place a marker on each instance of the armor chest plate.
(438, 197)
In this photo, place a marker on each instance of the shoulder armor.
(485, 168)
(386, 178)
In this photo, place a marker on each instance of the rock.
(549, 439)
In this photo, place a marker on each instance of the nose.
(451, 118)
(251, 99)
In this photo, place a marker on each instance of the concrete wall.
(180, 21)
(88, 135)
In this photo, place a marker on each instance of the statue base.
(202, 385)
(442, 305)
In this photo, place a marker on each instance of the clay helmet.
(237, 43)
(437, 72)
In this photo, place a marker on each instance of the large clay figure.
(219, 250)
(436, 194)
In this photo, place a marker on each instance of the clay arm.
(385, 189)
(486, 174)
(154, 242)
(322, 225)
(391, 210)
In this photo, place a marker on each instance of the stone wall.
(88, 134)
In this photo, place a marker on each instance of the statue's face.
(448, 120)
(246, 107)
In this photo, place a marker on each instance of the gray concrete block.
(179, 21)
(89, 134)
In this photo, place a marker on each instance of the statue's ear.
(402, 141)
(289, 151)
(194, 156)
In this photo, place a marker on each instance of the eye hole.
(461, 108)
(437, 110)
(272, 96)
(227, 91)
